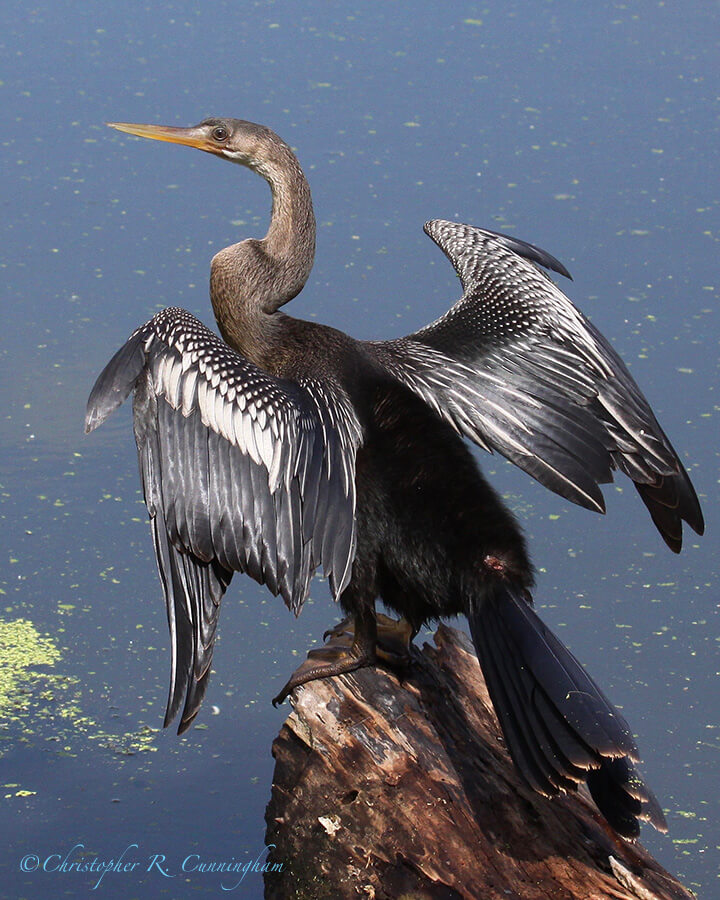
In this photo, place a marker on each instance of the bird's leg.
(394, 637)
(346, 651)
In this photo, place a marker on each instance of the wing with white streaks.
(241, 472)
(516, 367)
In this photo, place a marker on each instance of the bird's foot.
(346, 652)
(339, 656)
(394, 638)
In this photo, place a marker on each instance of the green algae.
(23, 650)
(39, 705)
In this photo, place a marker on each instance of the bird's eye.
(220, 133)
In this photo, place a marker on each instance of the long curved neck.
(249, 281)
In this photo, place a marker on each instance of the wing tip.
(115, 382)
(101, 402)
(670, 502)
(531, 252)
(94, 418)
(186, 721)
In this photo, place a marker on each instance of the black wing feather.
(514, 366)
(522, 248)
(241, 472)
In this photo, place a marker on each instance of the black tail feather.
(572, 754)
(539, 759)
(560, 728)
(623, 798)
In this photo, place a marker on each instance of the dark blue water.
(591, 131)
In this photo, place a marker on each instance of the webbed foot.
(394, 637)
(340, 655)
(348, 649)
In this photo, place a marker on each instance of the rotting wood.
(404, 791)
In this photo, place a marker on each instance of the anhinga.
(289, 445)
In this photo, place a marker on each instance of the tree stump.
(404, 791)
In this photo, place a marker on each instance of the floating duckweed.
(29, 696)
(22, 650)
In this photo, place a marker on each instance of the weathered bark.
(404, 790)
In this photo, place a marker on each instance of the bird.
(286, 446)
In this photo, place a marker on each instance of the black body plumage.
(291, 446)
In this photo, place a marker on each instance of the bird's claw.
(341, 654)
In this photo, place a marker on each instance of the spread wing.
(241, 472)
(518, 369)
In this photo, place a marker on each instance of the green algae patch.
(38, 706)
(130, 743)
(22, 651)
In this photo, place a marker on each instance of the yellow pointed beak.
(190, 137)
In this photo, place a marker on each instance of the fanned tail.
(559, 727)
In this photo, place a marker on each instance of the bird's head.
(234, 139)
(269, 272)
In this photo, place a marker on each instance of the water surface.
(591, 131)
